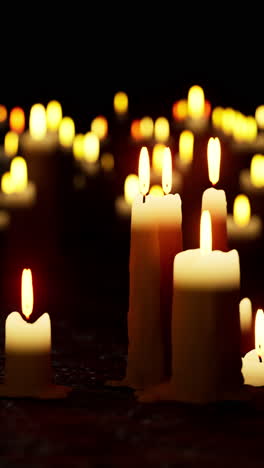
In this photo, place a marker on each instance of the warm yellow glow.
(206, 232)
(107, 162)
(167, 171)
(78, 146)
(161, 129)
(186, 142)
(146, 127)
(259, 116)
(91, 147)
(3, 113)
(228, 120)
(135, 131)
(239, 127)
(27, 292)
(213, 158)
(131, 188)
(17, 120)
(6, 183)
(180, 109)
(11, 144)
(19, 174)
(121, 103)
(195, 102)
(241, 210)
(156, 191)
(66, 132)
(245, 314)
(252, 128)
(144, 171)
(157, 157)
(53, 115)
(259, 332)
(37, 122)
(257, 170)
(217, 116)
(99, 126)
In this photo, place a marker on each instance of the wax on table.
(253, 365)
(28, 370)
(206, 362)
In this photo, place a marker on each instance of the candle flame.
(259, 332)
(3, 113)
(27, 292)
(167, 171)
(144, 171)
(241, 210)
(99, 126)
(37, 122)
(121, 103)
(195, 102)
(259, 116)
(66, 131)
(186, 142)
(206, 232)
(131, 188)
(213, 158)
(17, 120)
(11, 142)
(257, 170)
(161, 129)
(53, 115)
(157, 157)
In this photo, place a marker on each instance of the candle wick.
(260, 358)
(144, 198)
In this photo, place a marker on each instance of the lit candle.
(253, 365)
(17, 191)
(242, 226)
(120, 104)
(185, 155)
(206, 362)
(123, 204)
(91, 148)
(161, 129)
(37, 141)
(28, 352)
(157, 165)
(198, 110)
(99, 126)
(252, 179)
(66, 133)
(245, 315)
(214, 200)
(8, 149)
(53, 115)
(17, 120)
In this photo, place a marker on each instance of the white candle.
(253, 365)
(28, 352)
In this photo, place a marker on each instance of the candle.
(66, 133)
(8, 150)
(252, 179)
(185, 155)
(214, 200)
(156, 169)
(99, 126)
(53, 115)
(17, 120)
(120, 104)
(28, 352)
(206, 363)
(198, 110)
(242, 226)
(161, 129)
(37, 141)
(245, 315)
(253, 366)
(91, 152)
(17, 191)
(123, 203)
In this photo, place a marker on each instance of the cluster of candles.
(185, 321)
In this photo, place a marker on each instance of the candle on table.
(28, 370)
(253, 364)
(37, 141)
(123, 204)
(242, 226)
(206, 362)
(17, 191)
(245, 315)
(214, 200)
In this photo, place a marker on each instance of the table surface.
(78, 250)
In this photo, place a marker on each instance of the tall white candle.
(253, 365)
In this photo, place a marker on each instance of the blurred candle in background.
(66, 133)
(36, 141)
(185, 155)
(123, 204)
(16, 190)
(17, 120)
(241, 225)
(246, 319)
(253, 361)
(53, 115)
(120, 104)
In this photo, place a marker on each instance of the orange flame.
(259, 333)
(206, 232)
(144, 171)
(27, 292)
(167, 171)
(17, 120)
(213, 158)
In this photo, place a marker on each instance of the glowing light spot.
(131, 188)
(78, 146)
(11, 143)
(144, 171)
(53, 115)
(214, 158)
(91, 147)
(186, 143)
(161, 129)
(120, 103)
(146, 127)
(259, 116)
(180, 110)
(241, 210)
(3, 113)
(99, 126)
(17, 120)
(257, 170)
(66, 132)
(196, 102)
(157, 157)
(107, 162)
(37, 122)
(156, 191)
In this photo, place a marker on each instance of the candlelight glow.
(99, 126)
(228, 120)
(213, 157)
(195, 102)
(206, 232)
(161, 129)
(156, 191)
(37, 122)
(259, 116)
(91, 147)
(257, 170)
(66, 132)
(146, 127)
(245, 314)
(135, 130)
(167, 171)
(241, 210)
(27, 292)
(144, 171)
(186, 142)
(131, 188)
(3, 113)
(6, 183)
(53, 115)
(107, 162)
(207, 108)
(17, 120)
(78, 146)
(259, 332)
(19, 174)
(252, 128)
(121, 103)
(217, 117)
(180, 110)
(157, 157)
(11, 144)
